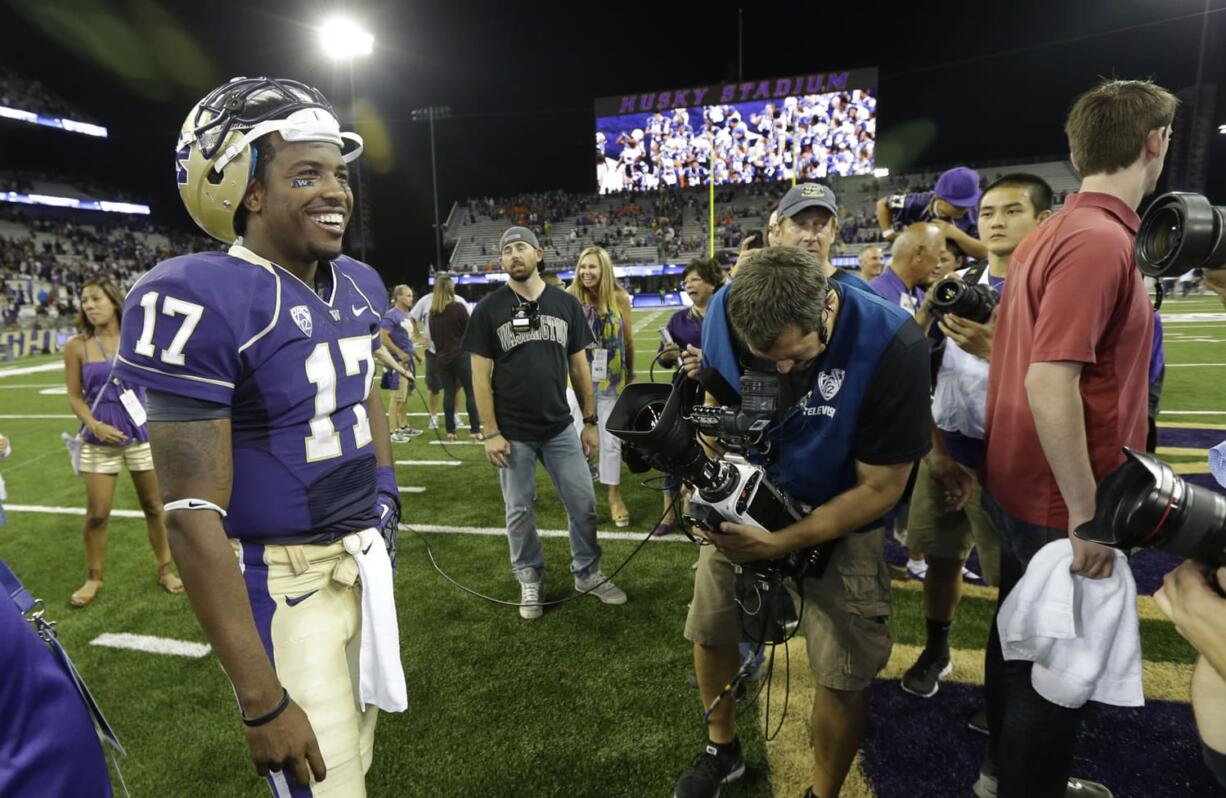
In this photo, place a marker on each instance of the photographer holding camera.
(1067, 388)
(1187, 597)
(851, 422)
(946, 517)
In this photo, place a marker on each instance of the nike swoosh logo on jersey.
(358, 310)
(294, 601)
(367, 548)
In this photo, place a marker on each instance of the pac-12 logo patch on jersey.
(829, 382)
(301, 315)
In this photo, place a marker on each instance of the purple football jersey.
(295, 370)
(907, 209)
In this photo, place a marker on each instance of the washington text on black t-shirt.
(530, 367)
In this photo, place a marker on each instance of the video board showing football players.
(811, 136)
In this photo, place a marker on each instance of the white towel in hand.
(380, 674)
(1082, 634)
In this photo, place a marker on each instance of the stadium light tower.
(342, 39)
(429, 114)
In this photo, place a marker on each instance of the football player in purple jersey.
(272, 449)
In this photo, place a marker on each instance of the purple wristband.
(385, 481)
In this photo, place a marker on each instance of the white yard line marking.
(499, 532)
(30, 385)
(410, 489)
(17, 372)
(456, 443)
(1193, 365)
(1185, 318)
(151, 645)
(429, 462)
(1194, 412)
(19, 417)
(485, 531)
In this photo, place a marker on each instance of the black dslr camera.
(1180, 232)
(657, 425)
(972, 301)
(1144, 503)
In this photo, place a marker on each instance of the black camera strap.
(975, 273)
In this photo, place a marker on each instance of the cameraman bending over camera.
(852, 421)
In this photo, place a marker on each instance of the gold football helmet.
(214, 160)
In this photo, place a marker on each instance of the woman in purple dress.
(682, 347)
(110, 436)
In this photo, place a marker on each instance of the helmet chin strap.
(305, 124)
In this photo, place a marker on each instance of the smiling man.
(271, 448)
(526, 339)
(852, 423)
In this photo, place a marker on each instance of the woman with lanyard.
(113, 435)
(606, 306)
(682, 346)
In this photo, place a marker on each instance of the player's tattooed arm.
(193, 460)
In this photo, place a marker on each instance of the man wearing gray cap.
(807, 218)
(525, 339)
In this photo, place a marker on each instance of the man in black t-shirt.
(525, 339)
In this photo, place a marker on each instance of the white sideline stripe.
(456, 443)
(410, 489)
(31, 385)
(19, 417)
(17, 372)
(501, 532)
(429, 462)
(42, 508)
(151, 645)
(487, 531)
(1192, 365)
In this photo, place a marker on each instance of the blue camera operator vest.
(811, 455)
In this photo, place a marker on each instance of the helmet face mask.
(215, 160)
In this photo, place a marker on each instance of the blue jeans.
(1032, 740)
(563, 458)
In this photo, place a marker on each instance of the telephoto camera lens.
(1181, 232)
(972, 302)
(1144, 503)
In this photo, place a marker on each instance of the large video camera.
(1144, 503)
(657, 425)
(1180, 232)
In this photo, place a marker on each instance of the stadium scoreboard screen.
(808, 126)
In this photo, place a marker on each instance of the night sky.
(975, 82)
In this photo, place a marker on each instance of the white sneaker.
(970, 575)
(917, 569)
(399, 437)
(530, 600)
(433, 422)
(600, 586)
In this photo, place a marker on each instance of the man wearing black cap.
(953, 204)
(525, 339)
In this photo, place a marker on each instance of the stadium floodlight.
(342, 38)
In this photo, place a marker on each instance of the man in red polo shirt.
(1067, 388)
